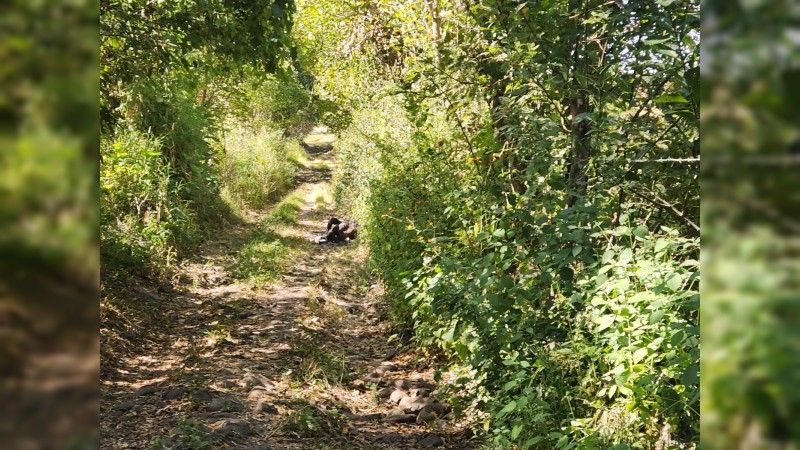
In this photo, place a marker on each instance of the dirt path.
(299, 361)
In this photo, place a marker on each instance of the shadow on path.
(294, 364)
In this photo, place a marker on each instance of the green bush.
(143, 218)
(567, 332)
(189, 135)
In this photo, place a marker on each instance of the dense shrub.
(144, 219)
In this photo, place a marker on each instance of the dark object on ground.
(338, 231)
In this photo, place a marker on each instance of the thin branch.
(665, 204)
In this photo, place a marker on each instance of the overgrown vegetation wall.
(526, 180)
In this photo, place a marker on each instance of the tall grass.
(258, 167)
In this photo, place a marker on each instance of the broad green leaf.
(670, 98)
(639, 355)
(691, 376)
(533, 441)
(605, 322)
(625, 256)
(656, 316)
(508, 408)
(675, 282)
(640, 231)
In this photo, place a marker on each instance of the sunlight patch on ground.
(319, 139)
(321, 196)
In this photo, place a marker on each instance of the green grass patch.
(319, 362)
(262, 258)
(286, 211)
(258, 167)
(310, 421)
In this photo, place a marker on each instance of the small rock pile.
(413, 400)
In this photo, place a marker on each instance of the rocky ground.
(301, 362)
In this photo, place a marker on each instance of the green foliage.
(513, 169)
(187, 140)
(147, 39)
(265, 253)
(143, 219)
(49, 139)
(257, 167)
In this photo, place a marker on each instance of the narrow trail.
(299, 362)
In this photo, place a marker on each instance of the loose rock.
(400, 384)
(124, 406)
(175, 393)
(384, 393)
(432, 412)
(430, 441)
(202, 395)
(389, 438)
(263, 406)
(257, 393)
(401, 418)
(421, 392)
(147, 390)
(414, 404)
(224, 404)
(254, 380)
(369, 417)
(231, 427)
(396, 396)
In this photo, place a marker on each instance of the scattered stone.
(396, 396)
(400, 384)
(254, 379)
(369, 417)
(218, 415)
(384, 393)
(432, 412)
(400, 418)
(227, 384)
(430, 441)
(175, 394)
(421, 392)
(372, 378)
(357, 383)
(389, 438)
(419, 384)
(414, 404)
(384, 368)
(257, 393)
(224, 404)
(391, 367)
(251, 447)
(202, 395)
(230, 428)
(265, 407)
(147, 390)
(124, 406)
